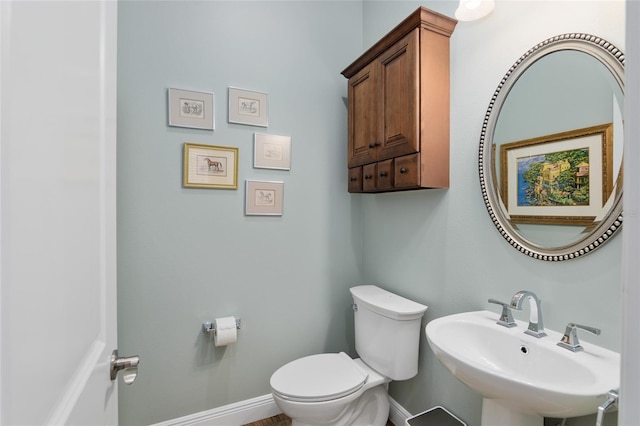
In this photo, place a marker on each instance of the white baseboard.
(397, 413)
(252, 410)
(235, 414)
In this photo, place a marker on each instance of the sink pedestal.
(499, 413)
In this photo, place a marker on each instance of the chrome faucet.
(570, 338)
(506, 319)
(536, 327)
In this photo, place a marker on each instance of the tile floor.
(281, 420)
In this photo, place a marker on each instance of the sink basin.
(520, 372)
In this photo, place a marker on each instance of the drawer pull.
(368, 176)
(383, 174)
(403, 170)
(353, 179)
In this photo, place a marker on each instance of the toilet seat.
(318, 378)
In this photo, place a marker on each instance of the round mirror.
(551, 148)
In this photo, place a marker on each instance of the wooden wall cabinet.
(398, 132)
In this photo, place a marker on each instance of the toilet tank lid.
(386, 303)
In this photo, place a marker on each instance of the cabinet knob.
(403, 170)
(374, 145)
(368, 176)
(383, 174)
(353, 179)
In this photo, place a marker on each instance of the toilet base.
(370, 409)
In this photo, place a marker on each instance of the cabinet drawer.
(407, 171)
(355, 179)
(385, 175)
(370, 177)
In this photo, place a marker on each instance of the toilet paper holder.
(207, 326)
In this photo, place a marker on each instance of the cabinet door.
(355, 179)
(400, 85)
(364, 124)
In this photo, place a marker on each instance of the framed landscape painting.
(563, 178)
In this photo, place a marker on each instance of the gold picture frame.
(209, 166)
(563, 178)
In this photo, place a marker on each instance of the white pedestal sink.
(522, 379)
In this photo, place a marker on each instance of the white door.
(57, 212)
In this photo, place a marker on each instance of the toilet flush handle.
(354, 307)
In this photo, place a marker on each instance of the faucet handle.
(612, 401)
(506, 318)
(570, 339)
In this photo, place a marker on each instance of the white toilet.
(333, 389)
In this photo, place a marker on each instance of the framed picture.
(191, 109)
(271, 152)
(563, 178)
(208, 166)
(264, 198)
(246, 107)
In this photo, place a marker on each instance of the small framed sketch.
(264, 198)
(208, 166)
(246, 107)
(191, 109)
(271, 152)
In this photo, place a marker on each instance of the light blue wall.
(440, 247)
(188, 255)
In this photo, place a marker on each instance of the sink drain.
(524, 349)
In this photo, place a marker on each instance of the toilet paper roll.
(226, 331)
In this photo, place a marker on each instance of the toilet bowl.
(331, 389)
(335, 389)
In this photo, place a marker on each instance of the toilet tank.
(387, 330)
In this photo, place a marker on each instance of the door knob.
(129, 366)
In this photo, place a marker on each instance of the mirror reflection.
(552, 158)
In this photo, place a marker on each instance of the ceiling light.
(470, 10)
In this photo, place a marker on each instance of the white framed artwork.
(264, 198)
(191, 109)
(248, 107)
(271, 152)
